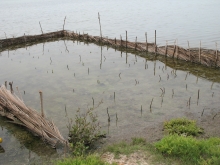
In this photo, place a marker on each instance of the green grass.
(127, 148)
(88, 160)
(191, 150)
(182, 126)
(140, 144)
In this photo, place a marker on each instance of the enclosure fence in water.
(206, 57)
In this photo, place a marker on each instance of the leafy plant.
(182, 126)
(84, 132)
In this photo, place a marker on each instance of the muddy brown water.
(71, 74)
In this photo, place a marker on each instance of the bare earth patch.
(137, 158)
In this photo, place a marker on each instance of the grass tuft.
(191, 150)
(88, 160)
(182, 126)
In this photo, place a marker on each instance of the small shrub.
(182, 126)
(84, 132)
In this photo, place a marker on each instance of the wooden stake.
(216, 53)
(146, 42)
(126, 39)
(174, 49)
(64, 22)
(177, 49)
(6, 84)
(41, 101)
(155, 41)
(5, 35)
(189, 51)
(100, 26)
(166, 48)
(151, 104)
(41, 28)
(121, 40)
(200, 52)
(11, 88)
(108, 116)
(136, 43)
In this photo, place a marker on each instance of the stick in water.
(41, 28)
(41, 101)
(64, 22)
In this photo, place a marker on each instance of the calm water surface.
(72, 73)
(189, 20)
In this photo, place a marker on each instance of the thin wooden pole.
(174, 49)
(146, 42)
(41, 28)
(126, 38)
(64, 22)
(5, 36)
(41, 101)
(6, 84)
(189, 51)
(200, 52)
(136, 43)
(100, 26)
(11, 88)
(216, 53)
(121, 40)
(155, 41)
(166, 48)
(177, 49)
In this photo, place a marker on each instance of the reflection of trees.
(26, 139)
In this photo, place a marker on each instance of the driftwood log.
(12, 107)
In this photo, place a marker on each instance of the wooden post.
(146, 42)
(100, 26)
(136, 43)
(189, 51)
(5, 36)
(11, 89)
(64, 22)
(166, 49)
(216, 53)
(174, 49)
(121, 40)
(41, 101)
(6, 84)
(41, 27)
(177, 49)
(115, 41)
(126, 39)
(155, 41)
(200, 52)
